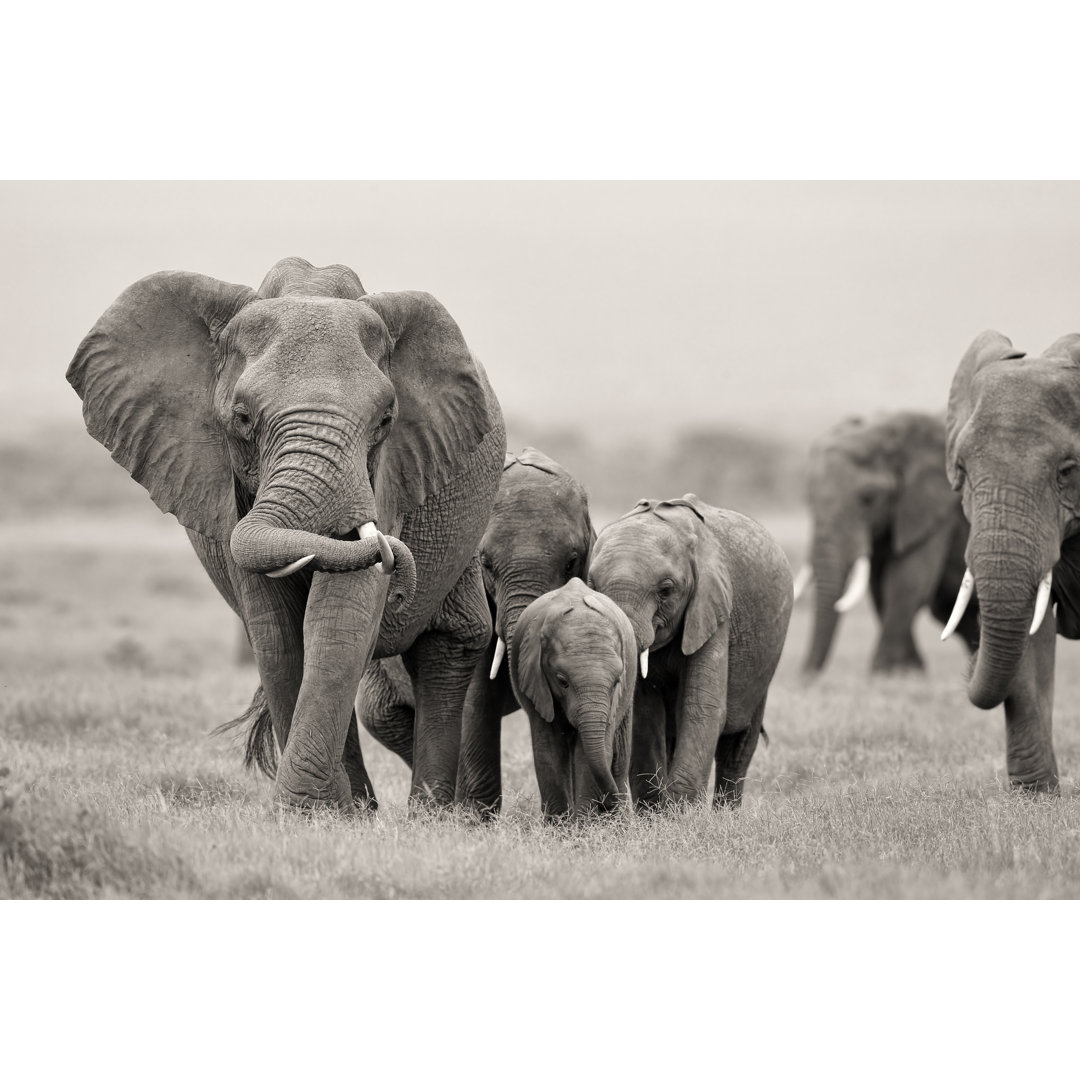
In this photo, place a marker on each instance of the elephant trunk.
(270, 540)
(832, 565)
(1007, 564)
(511, 599)
(592, 724)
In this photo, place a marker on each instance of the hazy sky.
(611, 305)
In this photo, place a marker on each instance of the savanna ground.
(117, 658)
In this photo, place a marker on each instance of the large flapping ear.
(989, 347)
(526, 651)
(445, 405)
(710, 601)
(925, 500)
(147, 374)
(297, 277)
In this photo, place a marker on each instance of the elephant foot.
(484, 810)
(1040, 786)
(334, 793)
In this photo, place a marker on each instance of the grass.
(118, 659)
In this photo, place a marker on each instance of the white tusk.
(285, 571)
(386, 552)
(644, 661)
(802, 579)
(368, 531)
(860, 578)
(500, 652)
(963, 598)
(1042, 599)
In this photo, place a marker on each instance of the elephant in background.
(538, 537)
(709, 594)
(573, 664)
(1013, 453)
(884, 517)
(333, 456)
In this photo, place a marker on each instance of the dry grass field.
(118, 658)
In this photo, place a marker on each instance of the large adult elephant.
(1013, 453)
(885, 519)
(709, 594)
(538, 538)
(303, 434)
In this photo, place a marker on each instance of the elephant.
(709, 595)
(884, 516)
(1013, 453)
(538, 537)
(333, 456)
(573, 666)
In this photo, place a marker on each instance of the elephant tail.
(260, 751)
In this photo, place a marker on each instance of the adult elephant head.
(574, 666)
(298, 428)
(878, 495)
(1013, 452)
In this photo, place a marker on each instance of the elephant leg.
(479, 778)
(733, 753)
(384, 712)
(1029, 744)
(352, 758)
(442, 662)
(700, 717)
(551, 759)
(909, 584)
(648, 747)
(341, 625)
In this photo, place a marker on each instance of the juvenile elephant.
(573, 663)
(709, 594)
(303, 434)
(1013, 453)
(884, 516)
(538, 537)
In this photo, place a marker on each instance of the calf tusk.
(500, 652)
(860, 578)
(644, 661)
(963, 598)
(1042, 599)
(285, 571)
(386, 564)
(803, 579)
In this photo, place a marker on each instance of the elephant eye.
(1067, 470)
(571, 564)
(241, 415)
(562, 680)
(666, 589)
(384, 427)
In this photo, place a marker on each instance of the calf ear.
(710, 602)
(989, 347)
(147, 374)
(527, 650)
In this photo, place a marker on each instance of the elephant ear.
(445, 404)
(147, 374)
(527, 651)
(988, 348)
(926, 499)
(710, 601)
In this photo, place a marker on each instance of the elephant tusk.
(803, 579)
(368, 531)
(644, 661)
(963, 598)
(857, 583)
(1042, 599)
(285, 571)
(500, 652)
(386, 563)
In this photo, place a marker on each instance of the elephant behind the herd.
(885, 520)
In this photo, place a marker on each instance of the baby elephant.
(709, 594)
(573, 665)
